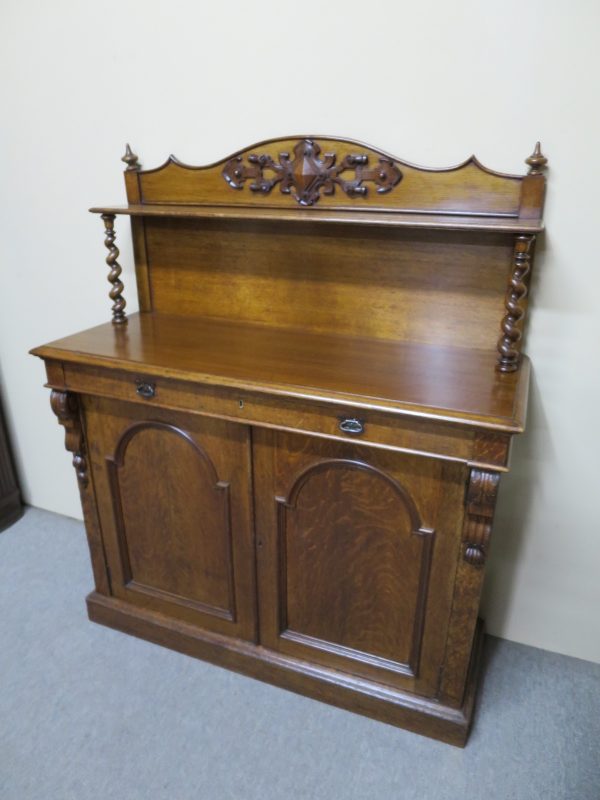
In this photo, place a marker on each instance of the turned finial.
(537, 161)
(130, 159)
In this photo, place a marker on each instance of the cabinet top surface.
(426, 381)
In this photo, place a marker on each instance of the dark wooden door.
(174, 498)
(357, 552)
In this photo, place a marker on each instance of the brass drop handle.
(146, 390)
(352, 425)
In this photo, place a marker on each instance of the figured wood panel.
(357, 554)
(173, 494)
(354, 564)
(177, 538)
(430, 287)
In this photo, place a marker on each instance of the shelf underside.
(400, 219)
(422, 380)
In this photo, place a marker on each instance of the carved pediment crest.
(307, 176)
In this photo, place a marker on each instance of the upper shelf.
(456, 222)
(311, 178)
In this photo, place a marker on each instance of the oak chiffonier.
(289, 458)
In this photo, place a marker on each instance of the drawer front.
(340, 421)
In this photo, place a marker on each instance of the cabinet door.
(357, 552)
(173, 493)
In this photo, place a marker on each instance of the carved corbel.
(66, 408)
(480, 505)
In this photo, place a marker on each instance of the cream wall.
(429, 81)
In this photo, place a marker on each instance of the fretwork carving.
(306, 176)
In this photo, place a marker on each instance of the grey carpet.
(89, 713)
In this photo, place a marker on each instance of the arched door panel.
(354, 564)
(349, 571)
(172, 518)
(176, 512)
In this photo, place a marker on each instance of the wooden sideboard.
(289, 458)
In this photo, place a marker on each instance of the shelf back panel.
(444, 288)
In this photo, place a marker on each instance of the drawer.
(334, 420)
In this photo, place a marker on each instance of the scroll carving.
(116, 292)
(509, 343)
(306, 176)
(65, 406)
(480, 505)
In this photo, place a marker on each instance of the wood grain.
(433, 289)
(190, 560)
(403, 432)
(349, 573)
(354, 564)
(175, 508)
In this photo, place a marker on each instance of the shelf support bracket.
(66, 408)
(116, 292)
(479, 514)
(509, 344)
